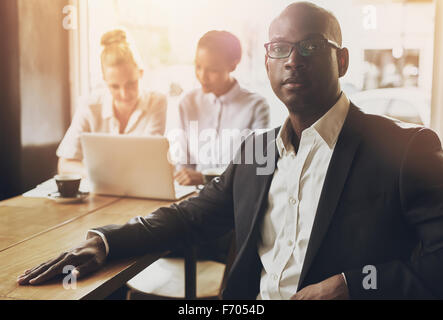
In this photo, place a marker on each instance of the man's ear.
(267, 64)
(141, 72)
(343, 61)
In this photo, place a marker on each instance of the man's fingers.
(56, 269)
(32, 269)
(78, 272)
(33, 272)
(46, 275)
(90, 255)
(36, 267)
(49, 262)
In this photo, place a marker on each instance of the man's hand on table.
(86, 258)
(333, 288)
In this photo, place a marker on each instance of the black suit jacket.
(381, 205)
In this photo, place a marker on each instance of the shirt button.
(290, 243)
(292, 201)
(274, 277)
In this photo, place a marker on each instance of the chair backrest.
(191, 270)
(229, 261)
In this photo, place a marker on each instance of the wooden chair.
(181, 278)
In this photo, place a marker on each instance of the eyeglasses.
(306, 48)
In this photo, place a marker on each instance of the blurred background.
(51, 57)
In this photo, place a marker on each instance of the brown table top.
(23, 218)
(33, 231)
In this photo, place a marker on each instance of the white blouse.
(212, 127)
(95, 114)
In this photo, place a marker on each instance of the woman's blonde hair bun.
(118, 49)
(114, 37)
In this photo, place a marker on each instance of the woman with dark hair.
(220, 108)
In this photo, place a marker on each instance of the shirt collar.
(108, 109)
(228, 96)
(328, 126)
(284, 138)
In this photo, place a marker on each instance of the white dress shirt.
(293, 199)
(292, 202)
(96, 114)
(213, 125)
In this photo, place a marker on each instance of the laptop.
(128, 166)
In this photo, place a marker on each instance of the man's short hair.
(222, 42)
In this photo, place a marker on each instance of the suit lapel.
(335, 179)
(263, 184)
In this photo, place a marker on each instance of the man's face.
(303, 83)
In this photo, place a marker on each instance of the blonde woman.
(122, 109)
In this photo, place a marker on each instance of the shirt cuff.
(344, 277)
(101, 236)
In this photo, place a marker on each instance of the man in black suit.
(352, 206)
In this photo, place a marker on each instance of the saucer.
(59, 199)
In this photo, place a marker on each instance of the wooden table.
(34, 230)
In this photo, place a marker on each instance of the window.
(390, 42)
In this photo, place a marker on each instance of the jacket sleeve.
(421, 196)
(197, 220)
